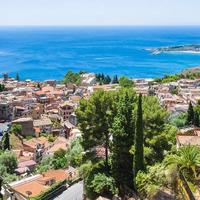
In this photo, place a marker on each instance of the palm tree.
(187, 158)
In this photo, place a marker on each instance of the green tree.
(95, 120)
(104, 185)
(115, 80)
(2, 87)
(150, 182)
(6, 141)
(159, 137)
(9, 161)
(76, 153)
(125, 82)
(187, 159)
(17, 77)
(102, 79)
(45, 164)
(179, 120)
(190, 116)
(60, 159)
(196, 119)
(71, 77)
(139, 139)
(16, 128)
(123, 139)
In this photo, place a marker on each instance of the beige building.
(27, 126)
(65, 110)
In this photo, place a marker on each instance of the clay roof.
(36, 186)
(26, 163)
(188, 139)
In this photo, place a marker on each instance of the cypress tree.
(6, 141)
(123, 139)
(139, 139)
(115, 80)
(17, 77)
(196, 119)
(190, 114)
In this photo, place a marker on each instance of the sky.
(99, 12)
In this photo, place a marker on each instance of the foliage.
(123, 138)
(169, 78)
(29, 137)
(148, 183)
(85, 169)
(190, 115)
(17, 77)
(139, 139)
(51, 138)
(125, 82)
(71, 77)
(174, 91)
(103, 79)
(16, 128)
(108, 115)
(95, 118)
(196, 119)
(159, 137)
(9, 178)
(2, 87)
(60, 159)
(89, 176)
(45, 164)
(6, 141)
(187, 159)
(103, 184)
(115, 80)
(8, 160)
(176, 77)
(75, 153)
(8, 163)
(179, 120)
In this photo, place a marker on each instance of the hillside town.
(45, 122)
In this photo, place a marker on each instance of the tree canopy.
(71, 77)
(125, 82)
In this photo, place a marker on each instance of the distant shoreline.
(194, 49)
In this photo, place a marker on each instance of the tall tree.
(123, 139)
(125, 82)
(115, 80)
(139, 138)
(196, 119)
(95, 120)
(2, 87)
(17, 77)
(190, 116)
(6, 141)
(73, 78)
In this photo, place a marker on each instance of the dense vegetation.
(115, 122)
(2, 87)
(63, 158)
(106, 79)
(176, 77)
(8, 164)
(125, 82)
(72, 77)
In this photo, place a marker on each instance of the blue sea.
(40, 53)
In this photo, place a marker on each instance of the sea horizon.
(48, 52)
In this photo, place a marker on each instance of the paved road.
(74, 192)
